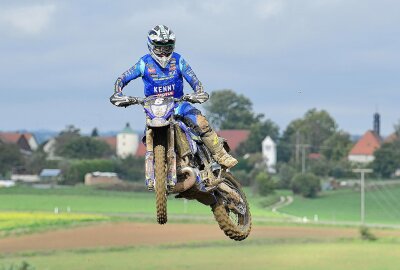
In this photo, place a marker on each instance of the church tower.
(377, 124)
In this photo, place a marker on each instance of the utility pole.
(303, 152)
(362, 190)
(297, 147)
(303, 158)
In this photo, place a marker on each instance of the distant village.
(127, 143)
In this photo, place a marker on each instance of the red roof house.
(16, 138)
(234, 137)
(111, 141)
(363, 150)
(10, 137)
(391, 138)
(141, 151)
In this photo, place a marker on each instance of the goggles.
(163, 50)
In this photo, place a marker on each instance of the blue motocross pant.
(193, 118)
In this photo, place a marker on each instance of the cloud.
(31, 20)
(268, 9)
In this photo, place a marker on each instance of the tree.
(38, 161)
(265, 185)
(74, 172)
(248, 168)
(85, 148)
(258, 132)
(313, 129)
(290, 137)
(397, 129)
(341, 169)
(10, 157)
(337, 146)
(95, 133)
(387, 159)
(319, 167)
(131, 168)
(285, 174)
(307, 185)
(65, 136)
(228, 110)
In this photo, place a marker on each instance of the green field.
(90, 200)
(337, 206)
(261, 254)
(26, 222)
(256, 253)
(382, 206)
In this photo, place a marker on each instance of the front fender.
(157, 122)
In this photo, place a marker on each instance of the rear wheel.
(233, 217)
(161, 176)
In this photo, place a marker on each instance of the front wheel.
(160, 188)
(233, 215)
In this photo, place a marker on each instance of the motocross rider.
(162, 71)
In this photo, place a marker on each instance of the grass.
(90, 200)
(382, 206)
(300, 255)
(21, 222)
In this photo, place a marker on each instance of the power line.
(387, 202)
(379, 203)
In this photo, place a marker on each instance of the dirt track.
(135, 234)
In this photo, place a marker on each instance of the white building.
(49, 148)
(269, 154)
(127, 142)
(32, 141)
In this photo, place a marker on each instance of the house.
(111, 141)
(269, 154)
(234, 137)
(141, 151)
(127, 142)
(26, 178)
(50, 175)
(363, 150)
(49, 148)
(102, 178)
(33, 143)
(314, 156)
(391, 138)
(16, 138)
(6, 183)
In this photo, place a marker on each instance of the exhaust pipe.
(188, 182)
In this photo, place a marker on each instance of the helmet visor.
(163, 50)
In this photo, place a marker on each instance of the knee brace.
(203, 124)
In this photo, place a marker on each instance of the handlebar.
(141, 101)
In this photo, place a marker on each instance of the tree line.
(315, 132)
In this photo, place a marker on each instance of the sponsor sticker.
(164, 89)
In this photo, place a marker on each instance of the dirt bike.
(177, 162)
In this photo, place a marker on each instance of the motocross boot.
(216, 147)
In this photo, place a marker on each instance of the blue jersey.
(160, 81)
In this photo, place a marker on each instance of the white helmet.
(161, 43)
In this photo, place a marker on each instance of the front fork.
(171, 159)
(149, 162)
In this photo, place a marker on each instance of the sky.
(60, 59)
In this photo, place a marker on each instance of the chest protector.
(160, 81)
